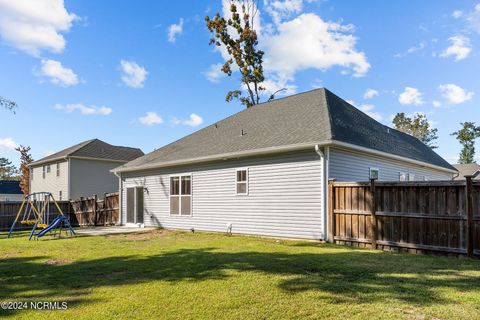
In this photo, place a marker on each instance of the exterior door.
(139, 204)
(130, 205)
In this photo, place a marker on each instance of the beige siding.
(346, 165)
(89, 177)
(284, 197)
(51, 183)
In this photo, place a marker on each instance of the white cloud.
(308, 42)
(411, 96)
(193, 121)
(473, 18)
(133, 75)
(83, 109)
(436, 104)
(370, 93)
(422, 45)
(34, 26)
(8, 144)
(150, 119)
(460, 48)
(304, 42)
(175, 30)
(457, 14)
(367, 109)
(454, 94)
(214, 73)
(58, 74)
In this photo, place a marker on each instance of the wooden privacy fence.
(92, 211)
(9, 210)
(420, 216)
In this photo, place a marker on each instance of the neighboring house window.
(31, 173)
(411, 177)
(181, 195)
(60, 195)
(425, 178)
(242, 181)
(48, 168)
(402, 176)
(43, 172)
(58, 169)
(374, 173)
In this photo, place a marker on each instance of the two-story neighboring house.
(81, 170)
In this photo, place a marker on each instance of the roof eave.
(270, 150)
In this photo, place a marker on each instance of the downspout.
(120, 189)
(323, 158)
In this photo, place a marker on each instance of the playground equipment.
(35, 210)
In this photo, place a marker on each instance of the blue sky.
(141, 73)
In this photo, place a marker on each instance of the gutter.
(271, 150)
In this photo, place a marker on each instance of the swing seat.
(28, 222)
(42, 225)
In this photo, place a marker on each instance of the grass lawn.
(179, 275)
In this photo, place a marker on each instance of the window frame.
(60, 195)
(44, 171)
(179, 196)
(48, 168)
(246, 181)
(58, 169)
(404, 174)
(411, 176)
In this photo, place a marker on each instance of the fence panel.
(9, 210)
(428, 216)
(94, 212)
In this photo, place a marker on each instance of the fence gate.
(419, 216)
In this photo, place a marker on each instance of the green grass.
(180, 275)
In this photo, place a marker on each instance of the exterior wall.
(346, 165)
(11, 197)
(89, 177)
(51, 183)
(284, 196)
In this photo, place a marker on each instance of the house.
(10, 190)
(265, 170)
(466, 169)
(81, 170)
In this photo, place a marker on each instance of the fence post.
(95, 210)
(331, 213)
(373, 225)
(469, 207)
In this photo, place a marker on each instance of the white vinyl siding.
(284, 196)
(51, 182)
(346, 165)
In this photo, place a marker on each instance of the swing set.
(35, 211)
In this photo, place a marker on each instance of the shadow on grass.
(354, 276)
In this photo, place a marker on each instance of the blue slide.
(55, 224)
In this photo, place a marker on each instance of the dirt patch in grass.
(55, 262)
(148, 235)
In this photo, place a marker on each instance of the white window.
(31, 173)
(60, 195)
(58, 169)
(242, 181)
(425, 178)
(48, 168)
(43, 172)
(402, 176)
(411, 177)
(181, 195)
(374, 173)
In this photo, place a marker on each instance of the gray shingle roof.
(96, 149)
(307, 118)
(467, 169)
